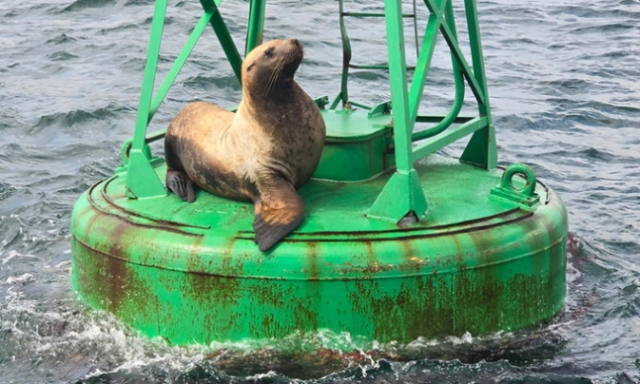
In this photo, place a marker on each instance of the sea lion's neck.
(281, 93)
(273, 108)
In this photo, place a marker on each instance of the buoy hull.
(483, 268)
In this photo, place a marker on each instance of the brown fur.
(263, 152)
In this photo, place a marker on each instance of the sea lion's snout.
(294, 56)
(295, 50)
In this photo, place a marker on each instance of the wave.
(80, 117)
(78, 5)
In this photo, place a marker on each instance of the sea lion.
(262, 153)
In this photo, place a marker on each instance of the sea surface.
(564, 81)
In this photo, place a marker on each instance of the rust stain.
(305, 314)
(312, 261)
(216, 291)
(117, 273)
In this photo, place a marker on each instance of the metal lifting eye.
(269, 52)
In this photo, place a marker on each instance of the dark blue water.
(564, 80)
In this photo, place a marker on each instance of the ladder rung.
(368, 14)
(380, 66)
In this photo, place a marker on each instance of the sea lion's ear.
(279, 210)
(250, 66)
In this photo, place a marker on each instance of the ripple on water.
(78, 117)
(62, 39)
(79, 5)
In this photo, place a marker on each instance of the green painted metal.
(343, 95)
(354, 145)
(481, 149)
(424, 60)
(256, 24)
(389, 207)
(192, 273)
(432, 144)
(224, 37)
(178, 64)
(443, 123)
(526, 197)
(142, 180)
(402, 196)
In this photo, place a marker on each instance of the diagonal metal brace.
(452, 41)
(221, 30)
(424, 59)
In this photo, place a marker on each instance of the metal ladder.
(343, 96)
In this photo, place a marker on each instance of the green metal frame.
(402, 195)
(142, 180)
(480, 151)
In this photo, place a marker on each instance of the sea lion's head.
(271, 65)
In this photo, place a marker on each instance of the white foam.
(20, 279)
(13, 254)
(63, 264)
(259, 376)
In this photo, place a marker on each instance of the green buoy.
(398, 242)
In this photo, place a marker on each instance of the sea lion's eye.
(269, 52)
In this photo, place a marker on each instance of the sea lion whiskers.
(277, 71)
(275, 75)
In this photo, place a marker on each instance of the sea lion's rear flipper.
(279, 210)
(181, 185)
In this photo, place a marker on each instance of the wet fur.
(262, 153)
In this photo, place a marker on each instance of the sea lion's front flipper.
(279, 210)
(181, 185)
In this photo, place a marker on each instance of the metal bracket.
(401, 196)
(525, 197)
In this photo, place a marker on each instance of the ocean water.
(564, 80)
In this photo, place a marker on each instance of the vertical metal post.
(255, 25)
(142, 180)
(476, 54)
(398, 78)
(402, 194)
(481, 149)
